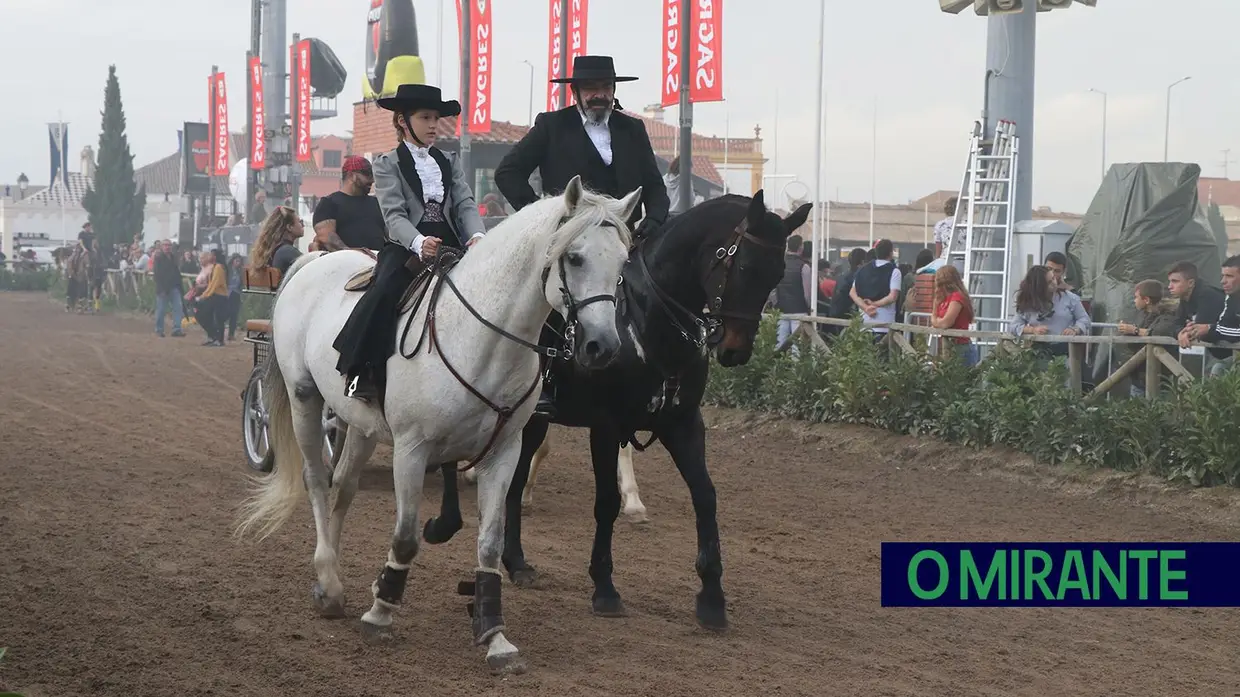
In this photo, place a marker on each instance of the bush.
(1015, 399)
(26, 279)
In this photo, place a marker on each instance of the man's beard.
(597, 110)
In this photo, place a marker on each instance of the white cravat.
(600, 135)
(432, 186)
(428, 171)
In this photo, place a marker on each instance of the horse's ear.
(629, 203)
(572, 194)
(757, 209)
(797, 219)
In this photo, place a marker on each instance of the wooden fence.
(1152, 354)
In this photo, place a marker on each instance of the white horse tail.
(275, 496)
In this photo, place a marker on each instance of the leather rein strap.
(439, 269)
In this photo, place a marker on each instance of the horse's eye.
(575, 259)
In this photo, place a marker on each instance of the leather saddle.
(365, 278)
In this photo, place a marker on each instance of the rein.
(443, 263)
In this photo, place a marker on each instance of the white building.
(51, 217)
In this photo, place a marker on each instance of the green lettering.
(1165, 575)
(944, 576)
(1103, 568)
(1014, 584)
(969, 575)
(1143, 573)
(1074, 565)
(1039, 576)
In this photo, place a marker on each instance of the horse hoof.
(437, 532)
(374, 634)
(328, 608)
(507, 664)
(637, 517)
(610, 607)
(712, 618)
(525, 577)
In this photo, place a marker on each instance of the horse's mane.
(592, 211)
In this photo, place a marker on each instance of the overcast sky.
(924, 68)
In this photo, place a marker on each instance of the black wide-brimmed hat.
(410, 97)
(594, 68)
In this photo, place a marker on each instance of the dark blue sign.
(1060, 574)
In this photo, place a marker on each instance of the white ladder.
(987, 196)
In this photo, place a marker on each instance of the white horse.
(634, 509)
(467, 396)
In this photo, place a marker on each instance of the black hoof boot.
(546, 404)
(609, 606)
(712, 614)
(439, 530)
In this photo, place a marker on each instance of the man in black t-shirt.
(350, 218)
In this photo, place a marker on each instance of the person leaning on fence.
(167, 289)
(212, 301)
(792, 292)
(1226, 328)
(276, 246)
(1044, 310)
(953, 309)
(876, 288)
(1154, 319)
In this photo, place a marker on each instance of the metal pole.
(467, 163)
(727, 137)
(564, 52)
(1010, 54)
(1167, 123)
(1104, 129)
(294, 167)
(439, 46)
(209, 203)
(816, 228)
(873, 170)
(531, 106)
(686, 109)
(256, 49)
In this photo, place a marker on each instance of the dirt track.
(118, 575)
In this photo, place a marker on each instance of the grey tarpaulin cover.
(1144, 218)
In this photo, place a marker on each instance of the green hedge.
(1012, 399)
(26, 279)
(253, 306)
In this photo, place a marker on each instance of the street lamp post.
(1104, 129)
(1167, 123)
(531, 107)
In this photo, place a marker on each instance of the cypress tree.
(114, 202)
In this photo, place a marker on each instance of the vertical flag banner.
(671, 51)
(196, 158)
(480, 61)
(58, 137)
(303, 101)
(219, 125)
(554, 92)
(707, 85)
(258, 144)
(578, 21)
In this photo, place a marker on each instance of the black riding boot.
(551, 336)
(367, 339)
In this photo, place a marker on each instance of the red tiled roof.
(163, 176)
(1223, 192)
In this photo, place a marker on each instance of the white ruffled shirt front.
(432, 186)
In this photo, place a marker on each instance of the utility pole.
(1227, 162)
(567, 94)
(686, 109)
(467, 163)
(275, 55)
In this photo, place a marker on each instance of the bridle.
(707, 326)
(444, 261)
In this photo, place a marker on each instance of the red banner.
(258, 143)
(671, 51)
(578, 21)
(219, 125)
(554, 40)
(303, 149)
(480, 61)
(707, 45)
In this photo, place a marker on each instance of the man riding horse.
(82, 272)
(609, 150)
(427, 204)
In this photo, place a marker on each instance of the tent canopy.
(1144, 219)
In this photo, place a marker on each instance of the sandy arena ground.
(118, 575)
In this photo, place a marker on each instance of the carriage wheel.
(258, 453)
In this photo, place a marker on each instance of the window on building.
(332, 159)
